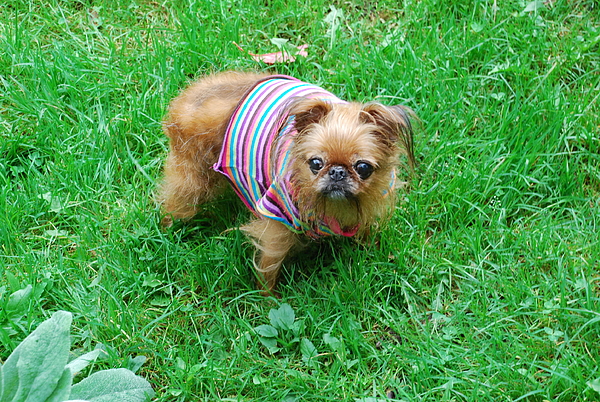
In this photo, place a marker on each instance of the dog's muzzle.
(337, 186)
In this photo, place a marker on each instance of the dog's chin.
(337, 193)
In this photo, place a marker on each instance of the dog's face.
(345, 158)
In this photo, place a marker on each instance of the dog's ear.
(392, 121)
(307, 112)
(393, 125)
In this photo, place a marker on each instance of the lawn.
(483, 286)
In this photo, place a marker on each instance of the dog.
(306, 163)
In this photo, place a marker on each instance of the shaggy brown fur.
(340, 136)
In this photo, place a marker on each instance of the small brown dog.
(303, 161)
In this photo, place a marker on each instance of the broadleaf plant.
(284, 333)
(38, 370)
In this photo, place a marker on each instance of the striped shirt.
(257, 172)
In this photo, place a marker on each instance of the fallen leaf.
(277, 57)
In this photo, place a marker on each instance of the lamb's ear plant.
(38, 371)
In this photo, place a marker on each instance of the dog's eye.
(363, 169)
(315, 164)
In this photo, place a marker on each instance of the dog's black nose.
(337, 173)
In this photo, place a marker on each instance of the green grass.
(484, 286)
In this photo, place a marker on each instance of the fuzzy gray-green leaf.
(10, 379)
(32, 372)
(1, 383)
(63, 388)
(35, 367)
(82, 361)
(113, 385)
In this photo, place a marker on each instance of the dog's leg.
(274, 242)
(185, 186)
(195, 126)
